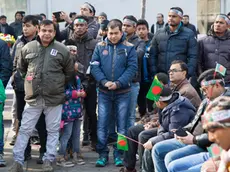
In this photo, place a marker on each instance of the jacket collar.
(179, 86)
(175, 100)
(39, 40)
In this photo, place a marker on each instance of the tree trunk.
(143, 8)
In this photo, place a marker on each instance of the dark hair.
(186, 15)
(162, 77)
(115, 23)
(42, 14)
(166, 92)
(143, 22)
(228, 14)
(47, 22)
(92, 10)
(209, 75)
(182, 64)
(131, 17)
(3, 17)
(72, 14)
(161, 15)
(18, 12)
(30, 18)
(177, 8)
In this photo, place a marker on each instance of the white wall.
(117, 8)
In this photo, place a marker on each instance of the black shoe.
(35, 140)
(93, 146)
(39, 160)
(13, 140)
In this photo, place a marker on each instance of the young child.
(71, 124)
(2, 100)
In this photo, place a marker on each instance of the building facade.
(202, 12)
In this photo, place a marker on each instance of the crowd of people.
(61, 77)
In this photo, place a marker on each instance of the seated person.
(175, 111)
(216, 121)
(169, 154)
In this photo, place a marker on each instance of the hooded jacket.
(178, 113)
(212, 50)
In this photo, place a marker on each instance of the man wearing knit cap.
(174, 42)
(101, 17)
(216, 120)
(129, 27)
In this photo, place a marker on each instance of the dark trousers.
(139, 134)
(90, 117)
(143, 102)
(41, 125)
(20, 107)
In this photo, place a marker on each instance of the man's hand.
(65, 17)
(148, 126)
(113, 86)
(186, 140)
(148, 145)
(54, 19)
(108, 84)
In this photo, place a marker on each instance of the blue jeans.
(2, 129)
(192, 163)
(74, 129)
(135, 87)
(107, 103)
(163, 153)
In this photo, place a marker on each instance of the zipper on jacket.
(113, 61)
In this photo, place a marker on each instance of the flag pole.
(130, 139)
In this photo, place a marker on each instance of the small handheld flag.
(155, 90)
(214, 150)
(122, 143)
(221, 69)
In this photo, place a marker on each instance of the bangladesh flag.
(155, 90)
(221, 69)
(122, 143)
(214, 150)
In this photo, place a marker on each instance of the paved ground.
(31, 166)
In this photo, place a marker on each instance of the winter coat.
(17, 26)
(46, 70)
(212, 50)
(116, 63)
(188, 91)
(72, 108)
(6, 64)
(167, 47)
(176, 115)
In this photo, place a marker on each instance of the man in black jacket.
(146, 68)
(215, 47)
(189, 25)
(5, 28)
(174, 42)
(129, 27)
(85, 44)
(166, 155)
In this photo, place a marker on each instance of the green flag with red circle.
(122, 143)
(214, 150)
(221, 69)
(155, 90)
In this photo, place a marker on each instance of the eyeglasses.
(174, 70)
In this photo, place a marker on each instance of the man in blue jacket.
(174, 42)
(113, 65)
(6, 64)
